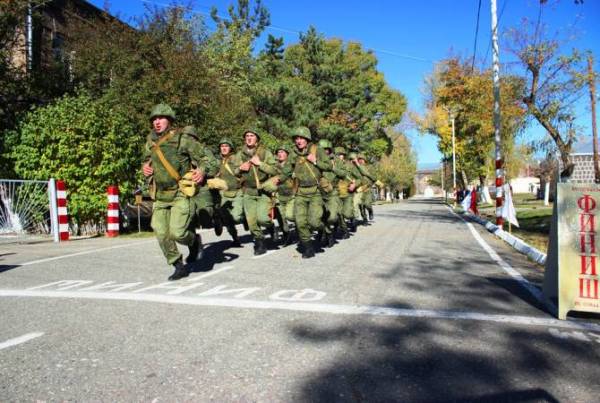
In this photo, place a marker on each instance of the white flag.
(466, 203)
(508, 209)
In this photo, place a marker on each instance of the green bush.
(89, 143)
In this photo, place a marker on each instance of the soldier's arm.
(323, 160)
(365, 172)
(339, 170)
(268, 166)
(201, 156)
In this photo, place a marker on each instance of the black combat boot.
(345, 233)
(180, 271)
(236, 241)
(217, 224)
(370, 210)
(259, 247)
(352, 225)
(274, 233)
(287, 238)
(329, 240)
(195, 250)
(308, 250)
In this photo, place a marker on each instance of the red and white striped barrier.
(63, 217)
(112, 219)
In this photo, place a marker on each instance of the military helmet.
(301, 131)
(324, 143)
(340, 150)
(251, 130)
(352, 155)
(162, 110)
(226, 140)
(283, 147)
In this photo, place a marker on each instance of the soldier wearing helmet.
(347, 187)
(231, 208)
(285, 194)
(308, 161)
(368, 179)
(170, 155)
(258, 164)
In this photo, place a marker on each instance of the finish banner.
(571, 277)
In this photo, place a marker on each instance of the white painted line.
(210, 273)
(19, 340)
(535, 292)
(87, 252)
(308, 307)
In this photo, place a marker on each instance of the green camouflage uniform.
(285, 196)
(257, 203)
(308, 203)
(173, 212)
(231, 207)
(368, 179)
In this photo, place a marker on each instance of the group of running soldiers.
(320, 189)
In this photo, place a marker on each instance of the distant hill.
(429, 166)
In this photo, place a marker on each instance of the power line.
(476, 34)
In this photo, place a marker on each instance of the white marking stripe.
(537, 294)
(61, 194)
(63, 227)
(112, 227)
(62, 211)
(309, 307)
(87, 252)
(113, 198)
(113, 213)
(19, 340)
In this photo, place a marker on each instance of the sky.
(409, 36)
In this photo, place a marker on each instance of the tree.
(555, 80)
(454, 88)
(397, 170)
(89, 143)
(330, 86)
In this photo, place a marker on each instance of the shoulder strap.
(156, 148)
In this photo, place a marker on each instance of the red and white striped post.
(63, 217)
(112, 219)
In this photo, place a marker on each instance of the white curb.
(510, 239)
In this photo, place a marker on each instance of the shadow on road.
(417, 360)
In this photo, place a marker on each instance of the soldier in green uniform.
(231, 205)
(346, 187)
(331, 199)
(169, 155)
(258, 164)
(203, 200)
(285, 195)
(357, 195)
(308, 162)
(368, 181)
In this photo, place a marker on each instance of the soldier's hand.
(147, 169)
(245, 166)
(197, 175)
(255, 160)
(312, 158)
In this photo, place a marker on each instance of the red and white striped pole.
(63, 217)
(112, 219)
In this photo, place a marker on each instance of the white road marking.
(87, 252)
(20, 339)
(534, 291)
(309, 307)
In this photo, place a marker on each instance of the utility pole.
(497, 138)
(592, 84)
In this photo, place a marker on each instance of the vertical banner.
(571, 277)
(112, 219)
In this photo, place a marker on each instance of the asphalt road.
(420, 306)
